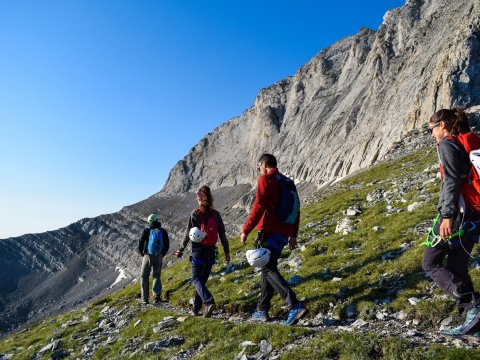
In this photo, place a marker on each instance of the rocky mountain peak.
(344, 109)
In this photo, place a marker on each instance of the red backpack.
(208, 224)
(471, 185)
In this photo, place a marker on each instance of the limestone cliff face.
(345, 108)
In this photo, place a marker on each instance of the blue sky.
(100, 99)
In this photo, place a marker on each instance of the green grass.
(358, 258)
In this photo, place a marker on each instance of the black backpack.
(289, 204)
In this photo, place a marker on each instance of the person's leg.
(276, 281)
(266, 294)
(144, 275)
(156, 262)
(198, 275)
(210, 303)
(462, 286)
(206, 274)
(433, 266)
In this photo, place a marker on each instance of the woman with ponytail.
(453, 232)
(204, 227)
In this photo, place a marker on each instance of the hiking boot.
(158, 299)
(195, 313)
(260, 315)
(295, 314)
(209, 310)
(472, 321)
(453, 332)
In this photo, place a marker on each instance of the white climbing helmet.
(196, 235)
(475, 159)
(258, 257)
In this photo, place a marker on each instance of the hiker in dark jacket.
(455, 213)
(273, 235)
(204, 249)
(152, 262)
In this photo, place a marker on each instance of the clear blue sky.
(100, 99)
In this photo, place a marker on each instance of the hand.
(227, 258)
(292, 242)
(446, 228)
(243, 238)
(178, 253)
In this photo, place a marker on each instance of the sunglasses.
(258, 166)
(433, 127)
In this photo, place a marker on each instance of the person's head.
(152, 218)
(448, 121)
(266, 162)
(205, 199)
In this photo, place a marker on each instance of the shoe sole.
(209, 311)
(300, 315)
(474, 325)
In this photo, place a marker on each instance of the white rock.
(359, 323)
(247, 343)
(401, 315)
(413, 206)
(413, 301)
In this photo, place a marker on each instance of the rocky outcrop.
(345, 108)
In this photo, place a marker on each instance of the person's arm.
(258, 208)
(166, 242)
(451, 158)
(223, 236)
(141, 242)
(192, 222)
(292, 240)
(453, 175)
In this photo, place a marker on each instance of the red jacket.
(263, 214)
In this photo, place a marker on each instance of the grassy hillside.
(374, 269)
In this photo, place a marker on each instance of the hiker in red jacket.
(273, 235)
(455, 229)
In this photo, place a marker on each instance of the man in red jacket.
(273, 235)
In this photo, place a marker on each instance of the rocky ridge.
(346, 107)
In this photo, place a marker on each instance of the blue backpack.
(289, 204)
(155, 242)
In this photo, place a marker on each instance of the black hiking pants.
(202, 260)
(273, 282)
(447, 263)
(451, 275)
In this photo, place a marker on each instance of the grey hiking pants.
(151, 263)
(273, 281)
